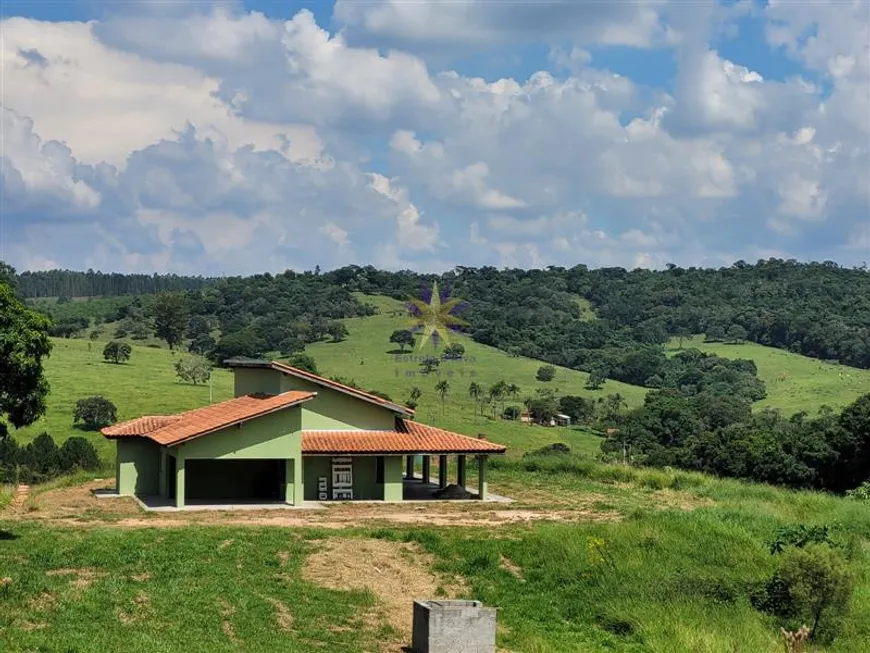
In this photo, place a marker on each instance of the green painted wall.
(251, 380)
(271, 436)
(314, 467)
(138, 466)
(335, 410)
(392, 478)
(365, 485)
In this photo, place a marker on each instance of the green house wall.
(255, 380)
(365, 479)
(138, 466)
(270, 436)
(333, 410)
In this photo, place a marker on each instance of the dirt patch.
(227, 611)
(144, 577)
(223, 545)
(283, 616)
(43, 602)
(139, 610)
(396, 573)
(283, 558)
(80, 500)
(81, 579)
(29, 626)
(513, 569)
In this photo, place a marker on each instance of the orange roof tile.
(140, 425)
(410, 438)
(200, 421)
(335, 385)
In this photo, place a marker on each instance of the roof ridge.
(438, 428)
(316, 378)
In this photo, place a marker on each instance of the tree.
(413, 397)
(715, 333)
(682, 332)
(24, 343)
(198, 327)
(402, 337)
(579, 409)
(736, 334)
(442, 387)
(77, 453)
(546, 373)
(429, 364)
(337, 331)
(193, 369)
(94, 413)
(202, 345)
(117, 351)
(170, 317)
(454, 351)
(513, 391)
(596, 379)
(303, 362)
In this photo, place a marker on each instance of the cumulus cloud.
(213, 139)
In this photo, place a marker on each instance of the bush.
(94, 413)
(117, 352)
(860, 493)
(512, 413)
(78, 453)
(813, 586)
(546, 373)
(453, 351)
(303, 362)
(555, 449)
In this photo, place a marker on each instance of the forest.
(821, 310)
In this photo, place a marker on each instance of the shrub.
(453, 351)
(546, 373)
(303, 362)
(814, 585)
(78, 453)
(94, 413)
(193, 369)
(801, 535)
(512, 413)
(555, 449)
(117, 352)
(860, 493)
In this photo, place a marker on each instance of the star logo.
(436, 317)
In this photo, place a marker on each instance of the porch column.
(460, 470)
(481, 478)
(298, 481)
(392, 478)
(289, 482)
(164, 473)
(409, 467)
(179, 478)
(442, 472)
(427, 468)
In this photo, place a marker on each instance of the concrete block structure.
(288, 436)
(453, 627)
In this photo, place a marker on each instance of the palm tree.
(442, 388)
(475, 392)
(513, 390)
(612, 405)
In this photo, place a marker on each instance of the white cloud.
(199, 138)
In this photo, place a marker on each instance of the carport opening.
(234, 481)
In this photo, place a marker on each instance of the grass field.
(794, 383)
(145, 385)
(651, 561)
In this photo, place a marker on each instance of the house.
(288, 436)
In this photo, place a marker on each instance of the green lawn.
(794, 383)
(145, 385)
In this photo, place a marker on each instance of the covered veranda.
(432, 478)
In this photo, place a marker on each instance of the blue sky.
(228, 137)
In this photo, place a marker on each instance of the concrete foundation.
(453, 627)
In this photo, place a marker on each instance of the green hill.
(794, 383)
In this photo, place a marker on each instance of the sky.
(224, 137)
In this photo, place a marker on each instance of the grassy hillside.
(145, 385)
(374, 363)
(794, 383)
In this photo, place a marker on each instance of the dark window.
(379, 474)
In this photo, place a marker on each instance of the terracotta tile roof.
(200, 421)
(328, 383)
(140, 426)
(409, 438)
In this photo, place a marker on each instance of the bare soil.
(77, 506)
(395, 572)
